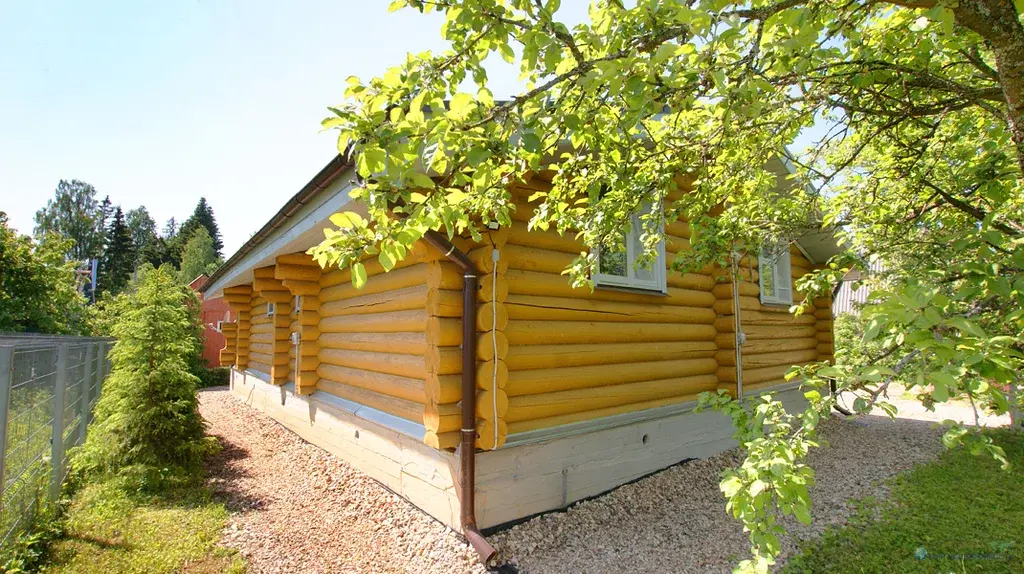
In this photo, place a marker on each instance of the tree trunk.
(999, 24)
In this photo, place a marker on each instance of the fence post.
(6, 381)
(101, 365)
(57, 437)
(92, 358)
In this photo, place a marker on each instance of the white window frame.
(777, 262)
(657, 284)
(271, 309)
(297, 304)
(220, 325)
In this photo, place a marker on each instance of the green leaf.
(358, 275)
(347, 220)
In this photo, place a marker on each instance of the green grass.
(961, 513)
(109, 531)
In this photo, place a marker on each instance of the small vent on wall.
(271, 308)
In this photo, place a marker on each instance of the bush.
(215, 377)
(147, 427)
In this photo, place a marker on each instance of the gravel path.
(299, 509)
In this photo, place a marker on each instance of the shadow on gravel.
(223, 473)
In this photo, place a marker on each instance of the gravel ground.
(299, 509)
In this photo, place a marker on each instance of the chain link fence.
(48, 388)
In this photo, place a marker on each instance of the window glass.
(619, 268)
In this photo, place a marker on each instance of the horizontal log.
(550, 285)
(442, 441)
(826, 349)
(412, 366)
(532, 407)
(297, 259)
(412, 343)
(756, 361)
(536, 307)
(486, 434)
(404, 299)
(393, 322)
(758, 346)
(396, 279)
(825, 337)
(297, 272)
(825, 325)
(491, 289)
(307, 288)
(491, 316)
(759, 318)
(823, 314)
(521, 332)
(490, 403)
(405, 388)
(443, 360)
(405, 409)
(535, 424)
(752, 376)
(700, 281)
(678, 228)
(238, 290)
(764, 386)
(519, 234)
(420, 253)
(484, 260)
(258, 366)
(280, 297)
(486, 371)
(725, 306)
(267, 284)
(442, 418)
(264, 272)
(537, 381)
(487, 342)
(443, 389)
(534, 259)
(525, 357)
(746, 289)
(823, 303)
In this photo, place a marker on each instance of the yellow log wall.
(270, 345)
(300, 275)
(775, 338)
(577, 354)
(239, 298)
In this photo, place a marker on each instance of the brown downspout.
(467, 468)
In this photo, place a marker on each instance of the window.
(619, 269)
(776, 282)
(220, 325)
(297, 306)
(271, 308)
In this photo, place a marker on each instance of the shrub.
(147, 427)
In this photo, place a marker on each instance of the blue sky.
(160, 103)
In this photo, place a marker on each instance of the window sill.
(777, 304)
(634, 290)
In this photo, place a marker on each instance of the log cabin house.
(568, 393)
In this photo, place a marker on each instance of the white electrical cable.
(495, 255)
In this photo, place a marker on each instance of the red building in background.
(213, 312)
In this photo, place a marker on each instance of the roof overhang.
(296, 227)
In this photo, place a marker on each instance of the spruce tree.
(118, 260)
(147, 427)
(202, 216)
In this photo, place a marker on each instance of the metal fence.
(48, 388)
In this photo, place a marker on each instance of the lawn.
(108, 530)
(961, 513)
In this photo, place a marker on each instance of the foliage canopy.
(916, 109)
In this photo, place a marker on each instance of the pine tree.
(118, 260)
(147, 427)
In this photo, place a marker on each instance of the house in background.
(852, 293)
(214, 313)
(474, 381)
